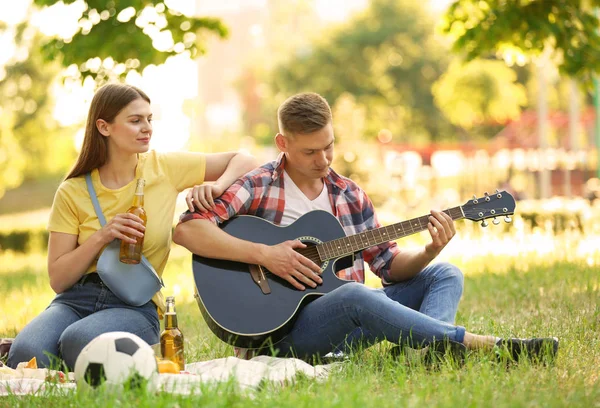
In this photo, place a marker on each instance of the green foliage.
(24, 241)
(29, 131)
(259, 99)
(12, 159)
(387, 58)
(478, 92)
(122, 35)
(568, 27)
(106, 46)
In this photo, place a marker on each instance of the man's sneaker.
(535, 349)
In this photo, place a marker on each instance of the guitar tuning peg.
(497, 191)
(486, 194)
(496, 221)
(484, 223)
(507, 219)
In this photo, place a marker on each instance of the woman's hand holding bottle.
(122, 226)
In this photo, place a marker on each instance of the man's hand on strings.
(284, 261)
(441, 228)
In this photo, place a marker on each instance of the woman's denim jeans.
(74, 318)
(414, 312)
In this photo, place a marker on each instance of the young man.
(418, 302)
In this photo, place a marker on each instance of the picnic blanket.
(247, 374)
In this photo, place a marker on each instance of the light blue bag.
(133, 284)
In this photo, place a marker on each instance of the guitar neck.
(341, 247)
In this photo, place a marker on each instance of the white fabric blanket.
(247, 374)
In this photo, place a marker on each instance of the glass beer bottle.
(132, 253)
(171, 339)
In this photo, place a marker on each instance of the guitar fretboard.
(348, 245)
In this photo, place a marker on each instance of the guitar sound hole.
(311, 253)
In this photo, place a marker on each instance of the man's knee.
(354, 293)
(448, 271)
(454, 276)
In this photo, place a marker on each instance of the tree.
(479, 92)
(115, 37)
(112, 39)
(29, 131)
(259, 99)
(12, 159)
(386, 57)
(567, 28)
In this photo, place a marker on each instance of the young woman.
(116, 152)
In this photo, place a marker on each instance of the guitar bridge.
(258, 276)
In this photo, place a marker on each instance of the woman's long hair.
(108, 101)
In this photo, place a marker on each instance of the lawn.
(509, 295)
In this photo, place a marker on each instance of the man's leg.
(327, 321)
(435, 292)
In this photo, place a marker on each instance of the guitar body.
(232, 303)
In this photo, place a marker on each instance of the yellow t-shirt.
(166, 175)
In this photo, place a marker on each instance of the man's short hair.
(303, 113)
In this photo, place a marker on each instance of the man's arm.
(407, 264)
(204, 238)
(199, 233)
(392, 264)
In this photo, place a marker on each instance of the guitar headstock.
(493, 205)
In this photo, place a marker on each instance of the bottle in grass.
(171, 339)
(131, 253)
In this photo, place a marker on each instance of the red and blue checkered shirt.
(260, 193)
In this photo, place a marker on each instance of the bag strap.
(92, 191)
(98, 209)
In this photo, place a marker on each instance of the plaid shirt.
(261, 193)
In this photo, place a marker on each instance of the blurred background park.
(434, 101)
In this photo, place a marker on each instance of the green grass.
(516, 298)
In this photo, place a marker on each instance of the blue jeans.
(77, 316)
(413, 312)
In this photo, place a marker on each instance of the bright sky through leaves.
(72, 101)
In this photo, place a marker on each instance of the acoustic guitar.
(246, 305)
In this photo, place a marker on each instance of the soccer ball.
(115, 359)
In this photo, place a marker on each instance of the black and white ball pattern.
(115, 359)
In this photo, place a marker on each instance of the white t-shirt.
(297, 204)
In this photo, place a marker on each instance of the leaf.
(135, 43)
(482, 27)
